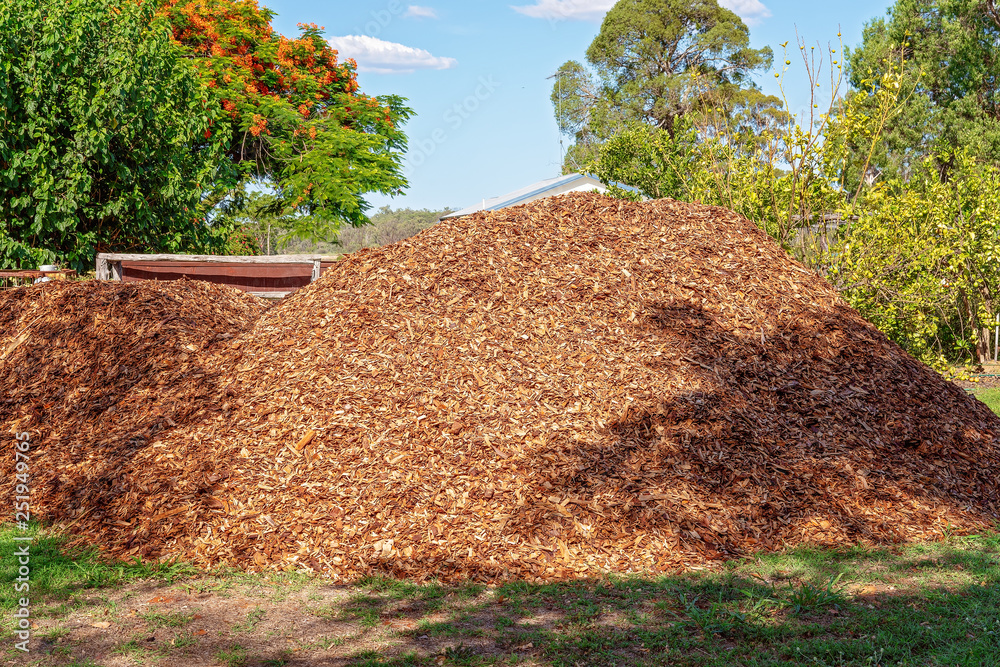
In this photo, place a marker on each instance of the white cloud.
(573, 10)
(418, 12)
(382, 57)
(751, 11)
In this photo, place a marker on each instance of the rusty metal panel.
(247, 277)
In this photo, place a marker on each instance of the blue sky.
(476, 74)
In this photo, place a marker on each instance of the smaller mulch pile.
(560, 389)
(95, 371)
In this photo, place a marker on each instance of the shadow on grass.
(927, 604)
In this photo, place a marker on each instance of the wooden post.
(102, 267)
(317, 267)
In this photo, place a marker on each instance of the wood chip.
(306, 439)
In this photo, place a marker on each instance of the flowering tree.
(296, 120)
(125, 125)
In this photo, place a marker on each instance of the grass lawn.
(926, 604)
(991, 397)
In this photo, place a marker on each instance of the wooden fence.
(268, 276)
(12, 279)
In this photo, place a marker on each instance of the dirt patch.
(190, 625)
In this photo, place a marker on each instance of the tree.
(259, 227)
(949, 50)
(298, 123)
(656, 62)
(105, 137)
(387, 226)
(922, 261)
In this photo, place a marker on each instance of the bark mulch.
(560, 389)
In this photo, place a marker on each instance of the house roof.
(546, 188)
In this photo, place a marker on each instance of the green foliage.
(257, 219)
(918, 256)
(658, 58)
(393, 225)
(809, 598)
(658, 62)
(387, 226)
(779, 174)
(922, 261)
(242, 242)
(102, 135)
(137, 126)
(582, 112)
(297, 118)
(949, 49)
(323, 183)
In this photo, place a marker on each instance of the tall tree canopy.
(105, 135)
(657, 61)
(950, 55)
(297, 120)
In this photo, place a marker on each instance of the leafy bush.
(105, 139)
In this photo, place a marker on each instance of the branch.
(992, 13)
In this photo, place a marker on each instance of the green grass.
(234, 656)
(163, 619)
(64, 579)
(925, 604)
(251, 621)
(991, 397)
(59, 574)
(933, 604)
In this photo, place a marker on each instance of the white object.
(46, 267)
(547, 188)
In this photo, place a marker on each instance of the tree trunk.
(983, 344)
(982, 333)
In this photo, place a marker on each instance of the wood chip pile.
(559, 389)
(96, 371)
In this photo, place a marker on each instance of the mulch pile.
(558, 389)
(95, 372)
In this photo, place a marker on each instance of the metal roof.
(533, 191)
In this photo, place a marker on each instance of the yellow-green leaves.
(922, 261)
